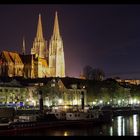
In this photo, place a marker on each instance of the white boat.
(75, 115)
(82, 115)
(58, 115)
(25, 118)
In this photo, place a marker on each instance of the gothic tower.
(23, 47)
(39, 63)
(56, 53)
(39, 44)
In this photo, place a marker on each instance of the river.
(120, 126)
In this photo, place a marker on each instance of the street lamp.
(101, 101)
(60, 101)
(119, 102)
(47, 101)
(52, 90)
(135, 101)
(94, 103)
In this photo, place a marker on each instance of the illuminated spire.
(39, 44)
(56, 52)
(23, 47)
(39, 33)
(56, 32)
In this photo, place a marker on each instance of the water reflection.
(111, 131)
(135, 128)
(120, 126)
(125, 125)
(65, 133)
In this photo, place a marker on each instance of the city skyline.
(102, 36)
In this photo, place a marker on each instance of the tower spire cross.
(39, 33)
(56, 32)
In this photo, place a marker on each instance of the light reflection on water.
(135, 124)
(120, 126)
(111, 131)
(65, 133)
(125, 125)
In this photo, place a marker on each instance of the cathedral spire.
(39, 33)
(56, 52)
(39, 44)
(56, 32)
(23, 47)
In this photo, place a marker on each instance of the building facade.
(129, 81)
(56, 92)
(60, 92)
(11, 64)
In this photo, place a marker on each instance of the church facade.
(41, 62)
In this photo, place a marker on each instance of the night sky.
(102, 36)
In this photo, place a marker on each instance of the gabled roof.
(9, 82)
(7, 57)
(67, 82)
(15, 57)
(70, 83)
(11, 57)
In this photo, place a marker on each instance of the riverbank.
(124, 111)
(120, 126)
(105, 118)
(30, 126)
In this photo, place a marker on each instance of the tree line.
(109, 90)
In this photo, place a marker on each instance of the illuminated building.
(56, 91)
(56, 53)
(129, 81)
(61, 91)
(12, 92)
(11, 64)
(42, 62)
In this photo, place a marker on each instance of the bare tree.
(87, 71)
(93, 74)
(98, 74)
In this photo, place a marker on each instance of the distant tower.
(39, 44)
(23, 47)
(56, 53)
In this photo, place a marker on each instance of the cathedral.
(41, 62)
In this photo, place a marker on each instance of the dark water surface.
(120, 126)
